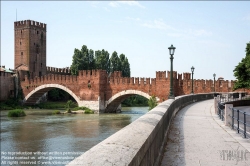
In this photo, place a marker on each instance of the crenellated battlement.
(54, 70)
(161, 75)
(29, 23)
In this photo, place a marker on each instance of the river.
(43, 139)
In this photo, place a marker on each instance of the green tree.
(102, 60)
(242, 71)
(76, 62)
(124, 66)
(152, 102)
(115, 63)
(91, 60)
(85, 59)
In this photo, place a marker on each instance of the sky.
(209, 35)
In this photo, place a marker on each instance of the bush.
(152, 102)
(16, 113)
(88, 111)
(56, 112)
(79, 108)
(68, 110)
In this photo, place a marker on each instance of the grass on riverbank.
(16, 113)
(86, 110)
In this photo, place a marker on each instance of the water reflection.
(61, 133)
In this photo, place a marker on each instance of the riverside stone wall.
(141, 142)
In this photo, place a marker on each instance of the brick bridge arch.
(33, 96)
(99, 91)
(112, 105)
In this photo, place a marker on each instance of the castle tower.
(30, 47)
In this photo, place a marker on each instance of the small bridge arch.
(32, 97)
(113, 103)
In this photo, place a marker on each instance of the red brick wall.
(6, 85)
(89, 85)
(30, 46)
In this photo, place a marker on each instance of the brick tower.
(30, 47)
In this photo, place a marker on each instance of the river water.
(43, 139)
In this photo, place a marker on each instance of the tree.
(124, 66)
(115, 63)
(152, 102)
(86, 59)
(76, 62)
(242, 71)
(91, 60)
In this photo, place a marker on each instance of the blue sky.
(209, 35)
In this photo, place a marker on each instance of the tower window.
(41, 64)
(37, 32)
(21, 53)
(20, 43)
(34, 44)
(21, 31)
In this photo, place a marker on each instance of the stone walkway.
(198, 137)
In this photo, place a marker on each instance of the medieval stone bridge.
(94, 89)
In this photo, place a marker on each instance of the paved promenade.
(198, 137)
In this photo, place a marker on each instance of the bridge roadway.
(198, 137)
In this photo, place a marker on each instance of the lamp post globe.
(171, 52)
(192, 70)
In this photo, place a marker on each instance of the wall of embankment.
(141, 142)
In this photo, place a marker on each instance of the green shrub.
(16, 113)
(68, 110)
(56, 112)
(88, 111)
(152, 102)
(79, 108)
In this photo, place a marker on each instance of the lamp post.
(214, 81)
(192, 69)
(171, 52)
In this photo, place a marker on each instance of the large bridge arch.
(113, 103)
(32, 97)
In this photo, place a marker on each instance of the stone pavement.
(198, 137)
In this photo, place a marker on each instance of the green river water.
(43, 139)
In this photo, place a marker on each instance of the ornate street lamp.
(171, 52)
(214, 80)
(192, 69)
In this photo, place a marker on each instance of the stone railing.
(142, 142)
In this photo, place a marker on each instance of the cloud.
(130, 3)
(157, 24)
